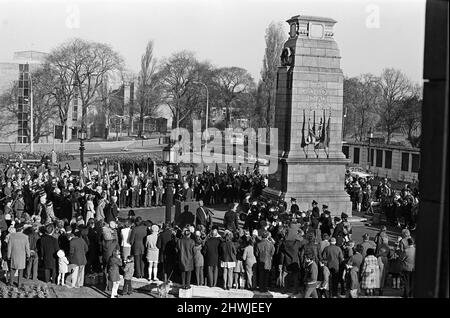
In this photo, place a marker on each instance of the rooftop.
(311, 18)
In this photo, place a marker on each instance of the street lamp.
(82, 135)
(370, 137)
(169, 157)
(207, 109)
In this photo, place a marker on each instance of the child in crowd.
(323, 285)
(128, 275)
(63, 265)
(351, 280)
(114, 264)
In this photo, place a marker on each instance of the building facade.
(397, 163)
(18, 71)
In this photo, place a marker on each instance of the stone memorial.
(308, 116)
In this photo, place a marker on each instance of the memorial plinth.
(308, 116)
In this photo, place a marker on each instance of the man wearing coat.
(18, 253)
(203, 216)
(163, 239)
(333, 256)
(78, 250)
(230, 219)
(48, 248)
(137, 238)
(264, 254)
(211, 252)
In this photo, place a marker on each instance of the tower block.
(309, 116)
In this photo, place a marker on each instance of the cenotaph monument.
(308, 116)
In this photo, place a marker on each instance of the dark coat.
(163, 238)
(48, 248)
(111, 212)
(78, 250)
(138, 236)
(230, 221)
(227, 251)
(211, 251)
(333, 255)
(289, 254)
(185, 251)
(202, 216)
(264, 253)
(186, 218)
(114, 264)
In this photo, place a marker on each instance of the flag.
(311, 139)
(314, 124)
(303, 144)
(322, 133)
(327, 137)
(217, 170)
(119, 172)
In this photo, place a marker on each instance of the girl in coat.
(114, 264)
(370, 274)
(152, 253)
(63, 267)
(198, 260)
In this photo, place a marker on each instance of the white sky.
(225, 32)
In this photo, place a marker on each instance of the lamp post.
(370, 136)
(82, 136)
(169, 158)
(207, 108)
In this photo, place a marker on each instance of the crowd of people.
(68, 225)
(399, 206)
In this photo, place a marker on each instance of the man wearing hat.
(48, 248)
(325, 221)
(18, 253)
(294, 207)
(338, 232)
(315, 219)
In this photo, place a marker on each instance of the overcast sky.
(371, 35)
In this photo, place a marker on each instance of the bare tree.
(361, 95)
(394, 87)
(86, 63)
(178, 74)
(233, 82)
(412, 116)
(149, 90)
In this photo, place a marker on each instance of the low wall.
(74, 146)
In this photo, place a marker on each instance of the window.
(405, 161)
(379, 158)
(415, 164)
(345, 150)
(370, 156)
(356, 155)
(22, 105)
(75, 106)
(388, 159)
